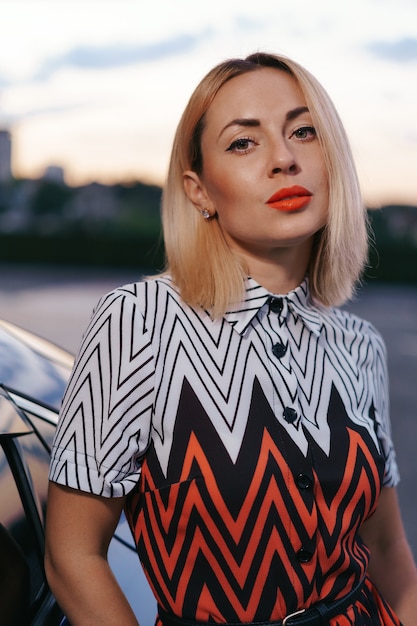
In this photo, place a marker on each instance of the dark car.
(33, 376)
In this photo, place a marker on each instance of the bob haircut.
(204, 268)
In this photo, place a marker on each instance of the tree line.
(47, 221)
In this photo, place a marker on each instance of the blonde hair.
(206, 271)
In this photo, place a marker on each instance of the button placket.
(288, 408)
(276, 306)
(303, 476)
(291, 415)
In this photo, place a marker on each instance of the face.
(263, 176)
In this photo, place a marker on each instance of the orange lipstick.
(290, 198)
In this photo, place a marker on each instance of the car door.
(25, 598)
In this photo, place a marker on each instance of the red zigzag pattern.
(159, 519)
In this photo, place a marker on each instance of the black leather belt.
(317, 615)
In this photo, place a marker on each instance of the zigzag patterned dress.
(251, 447)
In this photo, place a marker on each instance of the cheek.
(222, 188)
(322, 174)
(323, 185)
(228, 185)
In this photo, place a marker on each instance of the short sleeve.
(104, 425)
(380, 382)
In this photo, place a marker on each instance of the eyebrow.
(292, 115)
(248, 122)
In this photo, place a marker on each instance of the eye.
(242, 145)
(304, 133)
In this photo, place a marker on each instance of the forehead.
(259, 94)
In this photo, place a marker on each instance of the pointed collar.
(298, 302)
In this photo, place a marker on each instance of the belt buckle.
(285, 620)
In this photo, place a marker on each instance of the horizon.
(130, 182)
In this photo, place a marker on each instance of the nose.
(282, 160)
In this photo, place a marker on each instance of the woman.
(238, 418)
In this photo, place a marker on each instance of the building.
(54, 174)
(5, 156)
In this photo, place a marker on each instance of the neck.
(283, 271)
(278, 280)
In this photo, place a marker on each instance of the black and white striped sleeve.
(105, 419)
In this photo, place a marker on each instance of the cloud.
(248, 24)
(411, 137)
(15, 117)
(117, 55)
(4, 82)
(400, 51)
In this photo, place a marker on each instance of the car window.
(37, 456)
(32, 366)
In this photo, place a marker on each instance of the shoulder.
(148, 303)
(342, 318)
(345, 325)
(140, 293)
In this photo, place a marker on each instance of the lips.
(290, 199)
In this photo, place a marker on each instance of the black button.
(276, 305)
(304, 555)
(304, 481)
(279, 349)
(290, 414)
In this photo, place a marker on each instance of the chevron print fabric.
(251, 448)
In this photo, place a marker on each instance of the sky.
(98, 86)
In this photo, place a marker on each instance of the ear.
(197, 192)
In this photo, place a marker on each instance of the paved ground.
(56, 303)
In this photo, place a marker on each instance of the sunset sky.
(98, 86)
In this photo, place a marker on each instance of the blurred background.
(91, 92)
